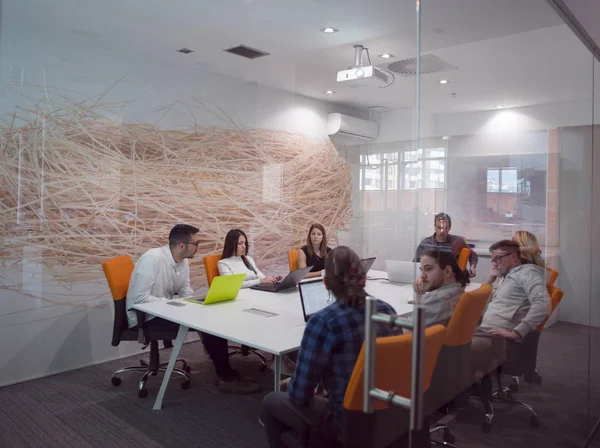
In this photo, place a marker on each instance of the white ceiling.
(509, 52)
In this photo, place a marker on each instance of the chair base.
(503, 395)
(145, 368)
(246, 351)
(448, 438)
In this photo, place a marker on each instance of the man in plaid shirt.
(330, 346)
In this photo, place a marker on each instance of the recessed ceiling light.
(185, 51)
(443, 81)
(445, 137)
(329, 92)
(386, 55)
(499, 107)
(329, 30)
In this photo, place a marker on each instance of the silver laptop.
(402, 271)
(314, 297)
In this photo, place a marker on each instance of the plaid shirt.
(330, 346)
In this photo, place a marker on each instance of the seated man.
(443, 284)
(163, 272)
(330, 346)
(443, 239)
(518, 304)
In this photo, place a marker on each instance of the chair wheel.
(185, 384)
(534, 422)
(115, 381)
(143, 363)
(514, 387)
(486, 427)
(449, 437)
(143, 393)
(187, 369)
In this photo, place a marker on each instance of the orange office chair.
(392, 372)
(452, 373)
(552, 276)
(463, 258)
(211, 267)
(118, 272)
(521, 361)
(293, 259)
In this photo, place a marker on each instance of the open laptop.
(222, 289)
(290, 281)
(402, 271)
(314, 297)
(367, 263)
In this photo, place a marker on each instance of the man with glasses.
(442, 239)
(159, 275)
(518, 304)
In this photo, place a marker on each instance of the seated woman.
(235, 260)
(529, 247)
(332, 340)
(314, 252)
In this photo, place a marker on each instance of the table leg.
(174, 354)
(277, 372)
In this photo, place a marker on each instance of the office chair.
(387, 426)
(463, 258)
(211, 268)
(552, 276)
(293, 259)
(520, 361)
(452, 373)
(118, 271)
(531, 374)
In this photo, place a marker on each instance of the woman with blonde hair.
(529, 247)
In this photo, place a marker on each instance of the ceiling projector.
(362, 75)
(368, 74)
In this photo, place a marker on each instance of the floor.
(82, 408)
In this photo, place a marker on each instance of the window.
(503, 184)
(424, 168)
(379, 171)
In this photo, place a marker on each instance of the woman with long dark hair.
(235, 260)
(315, 250)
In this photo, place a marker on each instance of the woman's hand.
(268, 280)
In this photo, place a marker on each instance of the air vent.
(429, 64)
(247, 52)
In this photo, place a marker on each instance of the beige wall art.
(77, 188)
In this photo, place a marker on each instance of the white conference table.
(278, 334)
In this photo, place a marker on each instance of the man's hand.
(506, 334)
(493, 275)
(419, 288)
(472, 271)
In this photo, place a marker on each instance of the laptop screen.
(314, 297)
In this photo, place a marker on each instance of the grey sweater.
(439, 304)
(519, 301)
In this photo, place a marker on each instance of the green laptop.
(222, 289)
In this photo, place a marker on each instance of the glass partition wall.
(485, 110)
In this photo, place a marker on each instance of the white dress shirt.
(157, 276)
(235, 265)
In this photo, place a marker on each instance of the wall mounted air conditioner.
(351, 128)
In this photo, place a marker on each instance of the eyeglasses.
(193, 244)
(499, 257)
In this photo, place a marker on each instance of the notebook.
(222, 289)
(290, 281)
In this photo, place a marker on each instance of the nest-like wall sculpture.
(77, 189)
